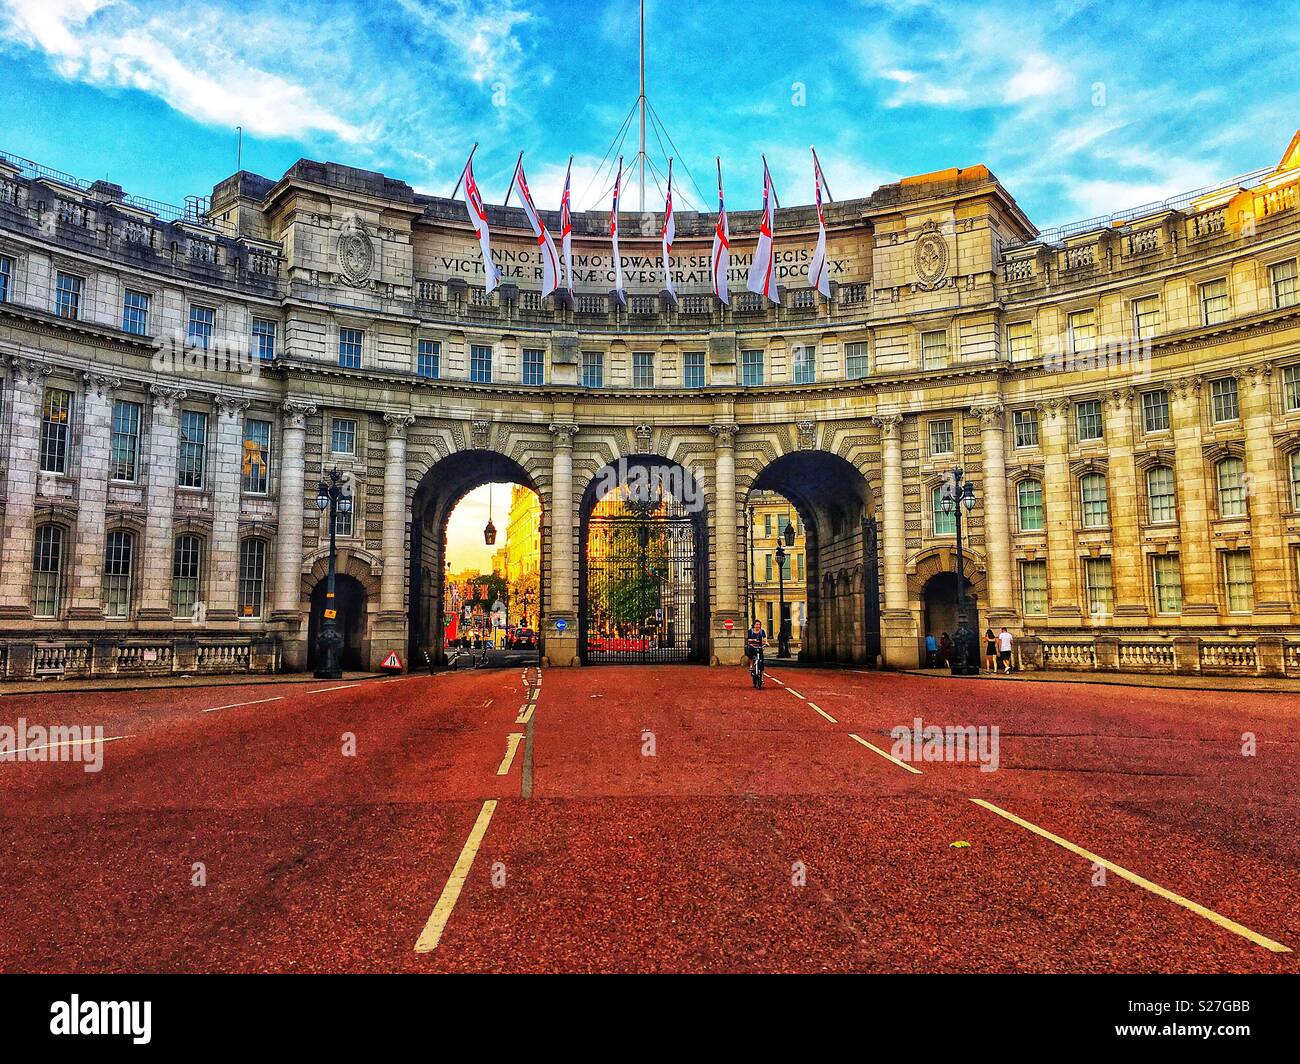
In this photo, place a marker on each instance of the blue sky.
(1080, 108)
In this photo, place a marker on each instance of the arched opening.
(830, 572)
(444, 580)
(350, 602)
(643, 591)
(939, 603)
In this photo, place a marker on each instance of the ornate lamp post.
(783, 626)
(958, 494)
(331, 495)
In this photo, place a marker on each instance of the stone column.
(390, 633)
(727, 644)
(561, 647)
(160, 501)
(92, 496)
(27, 385)
(898, 630)
(227, 483)
(1266, 480)
(997, 536)
(1126, 557)
(288, 544)
(1200, 581)
(1058, 511)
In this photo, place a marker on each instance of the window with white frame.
(934, 349)
(56, 424)
(6, 278)
(187, 563)
(1020, 340)
(1033, 588)
(257, 456)
(941, 437)
(351, 342)
(805, 364)
(343, 436)
(203, 321)
(1291, 387)
(1167, 583)
(1223, 399)
(193, 456)
(135, 313)
(1238, 581)
(1087, 419)
(1230, 482)
(945, 521)
(593, 369)
(751, 368)
(264, 339)
(1146, 317)
(67, 295)
(344, 524)
(1083, 331)
(693, 369)
(1214, 302)
(252, 577)
(534, 370)
(643, 369)
(1029, 502)
(1099, 586)
(1096, 507)
(856, 363)
(428, 359)
(1024, 424)
(1295, 480)
(1282, 277)
(119, 554)
(124, 441)
(480, 363)
(1155, 410)
(1162, 506)
(47, 571)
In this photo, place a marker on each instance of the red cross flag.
(669, 232)
(818, 275)
(762, 273)
(720, 257)
(566, 228)
(613, 234)
(545, 245)
(478, 219)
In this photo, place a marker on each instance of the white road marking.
(68, 742)
(343, 687)
(823, 712)
(432, 933)
(793, 691)
(236, 705)
(512, 744)
(887, 757)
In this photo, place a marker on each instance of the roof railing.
(166, 211)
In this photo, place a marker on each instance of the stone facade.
(1125, 398)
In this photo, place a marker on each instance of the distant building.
(769, 514)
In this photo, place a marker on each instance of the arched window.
(119, 555)
(187, 562)
(1029, 498)
(252, 577)
(1231, 476)
(945, 524)
(47, 571)
(1161, 504)
(1096, 508)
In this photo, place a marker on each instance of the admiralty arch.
(1123, 394)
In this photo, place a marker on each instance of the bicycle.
(756, 668)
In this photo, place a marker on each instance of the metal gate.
(641, 581)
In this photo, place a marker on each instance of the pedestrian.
(1005, 642)
(990, 651)
(945, 650)
(931, 651)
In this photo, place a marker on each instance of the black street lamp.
(331, 495)
(958, 494)
(783, 625)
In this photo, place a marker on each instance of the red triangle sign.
(392, 661)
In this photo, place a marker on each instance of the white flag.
(478, 219)
(545, 245)
(669, 232)
(613, 234)
(566, 229)
(720, 258)
(818, 275)
(762, 271)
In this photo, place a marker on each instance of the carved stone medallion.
(930, 258)
(356, 252)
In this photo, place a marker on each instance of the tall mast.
(641, 104)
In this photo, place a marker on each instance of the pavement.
(1167, 681)
(630, 819)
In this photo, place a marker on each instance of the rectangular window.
(124, 444)
(118, 549)
(252, 577)
(751, 368)
(1029, 501)
(1167, 583)
(693, 369)
(593, 369)
(1295, 481)
(1088, 419)
(1033, 588)
(1025, 423)
(257, 456)
(480, 364)
(343, 522)
(1155, 410)
(6, 278)
(47, 571)
(767, 567)
(264, 339)
(1291, 387)
(350, 342)
(1161, 501)
(1282, 276)
(855, 360)
(1223, 399)
(1146, 317)
(941, 437)
(428, 359)
(1238, 581)
(805, 364)
(1230, 475)
(534, 365)
(186, 562)
(67, 296)
(202, 322)
(767, 525)
(1083, 332)
(56, 421)
(1099, 586)
(945, 521)
(1214, 302)
(343, 436)
(1020, 340)
(1096, 506)
(193, 449)
(643, 369)
(934, 349)
(135, 313)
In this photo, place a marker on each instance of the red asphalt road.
(681, 861)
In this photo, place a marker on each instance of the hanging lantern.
(489, 533)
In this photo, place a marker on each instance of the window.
(767, 525)
(1295, 480)
(252, 576)
(350, 341)
(47, 571)
(751, 368)
(534, 371)
(1291, 387)
(945, 523)
(56, 418)
(1214, 302)
(1230, 475)
(805, 364)
(119, 547)
(855, 360)
(643, 369)
(187, 553)
(1162, 507)
(1282, 276)
(693, 369)
(193, 450)
(1029, 500)
(1025, 424)
(1087, 417)
(428, 359)
(480, 363)
(1020, 340)
(1096, 509)
(1223, 399)
(264, 339)
(1146, 317)
(1033, 588)
(6, 278)
(1099, 586)
(593, 369)
(67, 296)
(1083, 332)
(202, 322)
(1167, 582)
(135, 313)
(257, 456)
(1155, 410)
(934, 350)
(941, 437)
(344, 525)
(1238, 581)
(343, 436)
(124, 445)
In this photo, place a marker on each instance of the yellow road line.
(1145, 884)
(236, 705)
(432, 933)
(793, 691)
(512, 744)
(525, 713)
(887, 757)
(823, 712)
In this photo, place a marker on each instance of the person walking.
(1005, 642)
(945, 650)
(931, 651)
(990, 651)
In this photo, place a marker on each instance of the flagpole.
(513, 174)
(767, 176)
(818, 163)
(641, 103)
(463, 169)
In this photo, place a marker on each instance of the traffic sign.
(331, 614)
(728, 624)
(561, 624)
(392, 661)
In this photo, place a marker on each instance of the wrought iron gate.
(642, 577)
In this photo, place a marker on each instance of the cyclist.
(755, 641)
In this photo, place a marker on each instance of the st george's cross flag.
(818, 275)
(762, 271)
(545, 245)
(566, 228)
(720, 257)
(613, 234)
(669, 233)
(478, 219)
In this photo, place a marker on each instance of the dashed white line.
(823, 712)
(68, 742)
(432, 933)
(236, 705)
(793, 691)
(887, 757)
(342, 687)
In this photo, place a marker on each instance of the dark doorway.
(350, 599)
(940, 601)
